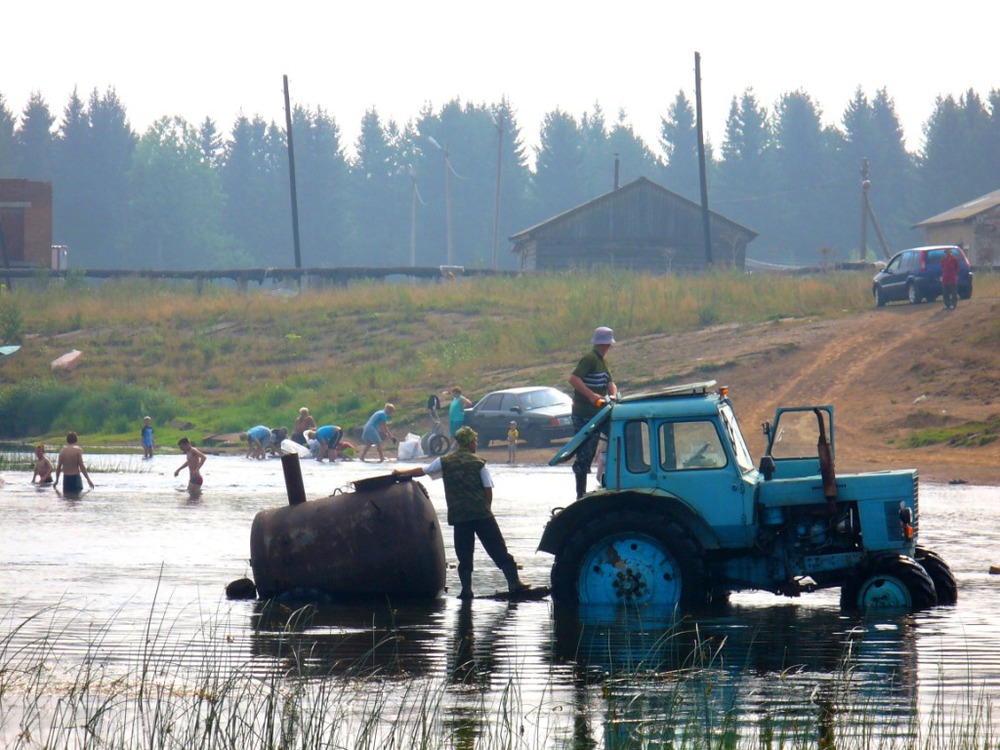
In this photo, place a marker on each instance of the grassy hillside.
(223, 361)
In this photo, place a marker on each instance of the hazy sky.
(218, 58)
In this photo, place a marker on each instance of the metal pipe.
(293, 478)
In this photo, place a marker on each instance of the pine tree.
(557, 184)
(34, 141)
(8, 162)
(177, 203)
(679, 140)
(255, 186)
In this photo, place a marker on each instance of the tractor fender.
(565, 521)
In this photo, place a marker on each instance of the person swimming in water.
(194, 459)
(70, 465)
(43, 466)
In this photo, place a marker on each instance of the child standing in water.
(43, 467)
(512, 436)
(147, 437)
(194, 460)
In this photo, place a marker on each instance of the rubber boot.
(581, 485)
(514, 583)
(465, 576)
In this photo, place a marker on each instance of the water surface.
(136, 568)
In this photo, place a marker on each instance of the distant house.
(640, 226)
(26, 223)
(975, 226)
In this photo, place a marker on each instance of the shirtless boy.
(70, 465)
(43, 467)
(194, 460)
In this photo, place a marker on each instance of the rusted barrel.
(382, 541)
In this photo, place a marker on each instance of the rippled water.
(136, 569)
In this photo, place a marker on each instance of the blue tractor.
(684, 516)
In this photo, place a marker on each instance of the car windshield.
(542, 398)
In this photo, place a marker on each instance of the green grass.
(224, 361)
(967, 435)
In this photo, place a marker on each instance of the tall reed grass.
(215, 690)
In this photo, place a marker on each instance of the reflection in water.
(474, 656)
(91, 581)
(360, 638)
(782, 671)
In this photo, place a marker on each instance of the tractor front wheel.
(896, 583)
(945, 585)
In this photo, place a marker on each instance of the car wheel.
(534, 438)
(630, 558)
(913, 293)
(894, 583)
(879, 296)
(965, 293)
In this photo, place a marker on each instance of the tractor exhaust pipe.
(826, 467)
(293, 478)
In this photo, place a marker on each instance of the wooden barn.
(640, 226)
(26, 223)
(975, 226)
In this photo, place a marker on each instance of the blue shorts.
(72, 483)
(371, 435)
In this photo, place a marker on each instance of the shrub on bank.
(42, 406)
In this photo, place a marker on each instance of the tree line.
(186, 196)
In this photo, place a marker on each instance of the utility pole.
(447, 203)
(865, 185)
(413, 217)
(701, 162)
(496, 203)
(291, 180)
(867, 212)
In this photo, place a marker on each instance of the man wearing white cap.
(593, 384)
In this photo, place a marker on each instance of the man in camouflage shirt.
(468, 491)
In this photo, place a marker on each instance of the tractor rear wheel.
(630, 558)
(889, 583)
(945, 585)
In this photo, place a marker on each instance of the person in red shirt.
(949, 278)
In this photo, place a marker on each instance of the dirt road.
(888, 373)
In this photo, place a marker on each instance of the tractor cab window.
(637, 455)
(690, 445)
(797, 434)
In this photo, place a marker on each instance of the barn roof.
(642, 183)
(965, 211)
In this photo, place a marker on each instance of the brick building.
(26, 223)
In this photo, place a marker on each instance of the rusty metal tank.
(382, 539)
